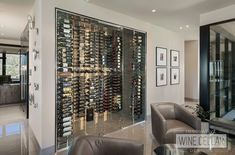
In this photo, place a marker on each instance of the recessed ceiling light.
(181, 28)
(2, 26)
(153, 11)
(187, 26)
(2, 34)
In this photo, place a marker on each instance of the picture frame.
(161, 56)
(175, 76)
(175, 58)
(161, 77)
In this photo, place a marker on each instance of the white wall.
(156, 36)
(218, 15)
(35, 108)
(191, 70)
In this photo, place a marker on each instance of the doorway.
(14, 78)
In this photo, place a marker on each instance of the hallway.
(15, 138)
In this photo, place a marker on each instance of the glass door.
(24, 80)
(220, 73)
(212, 73)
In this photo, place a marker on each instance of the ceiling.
(171, 14)
(13, 17)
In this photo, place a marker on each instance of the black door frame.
(204, 65)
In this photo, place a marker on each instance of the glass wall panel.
(212, 73)
(0, 66)
(221, 68)
(100, 70)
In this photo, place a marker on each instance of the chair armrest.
(93, 145)
(188, 118)
(158, 124)
(121, 146)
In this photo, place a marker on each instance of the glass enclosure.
(221, 69)
(100, 86)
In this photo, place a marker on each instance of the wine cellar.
(100, 76)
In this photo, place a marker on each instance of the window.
(10, 66)
(13, 66)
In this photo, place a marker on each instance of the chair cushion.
(167, 110)
(92, 145)
(174, 127)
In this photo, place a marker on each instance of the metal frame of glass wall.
(217, 83)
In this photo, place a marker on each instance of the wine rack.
(138, 67)
(89, 71)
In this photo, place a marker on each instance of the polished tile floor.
(142, 133)
(15, 137)
(12, 121)
(15, 134)
(101, 125)
(11, 113)
(230, 115)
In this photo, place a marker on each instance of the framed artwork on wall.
(175, 76)
(161, 56)
(161, 77)
(175, 58)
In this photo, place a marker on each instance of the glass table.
(170, 149)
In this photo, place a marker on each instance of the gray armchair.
(169, 119)
(91, 145)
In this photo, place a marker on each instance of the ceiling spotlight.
(187, 26)
(181, 28)
(2, 34)
(2, 26)
(153, 11)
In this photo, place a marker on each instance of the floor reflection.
(15, 135)
(11, 139)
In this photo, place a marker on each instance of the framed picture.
(161, 56)
(175, 58)
(175, 76)
(161, 78)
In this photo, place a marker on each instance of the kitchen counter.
(9, 93)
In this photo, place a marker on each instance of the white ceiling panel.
(171, 14)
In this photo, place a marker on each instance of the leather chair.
(92, 145)
(169, 119)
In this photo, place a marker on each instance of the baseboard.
(38, 150)
(191, 99)
(48, 151)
